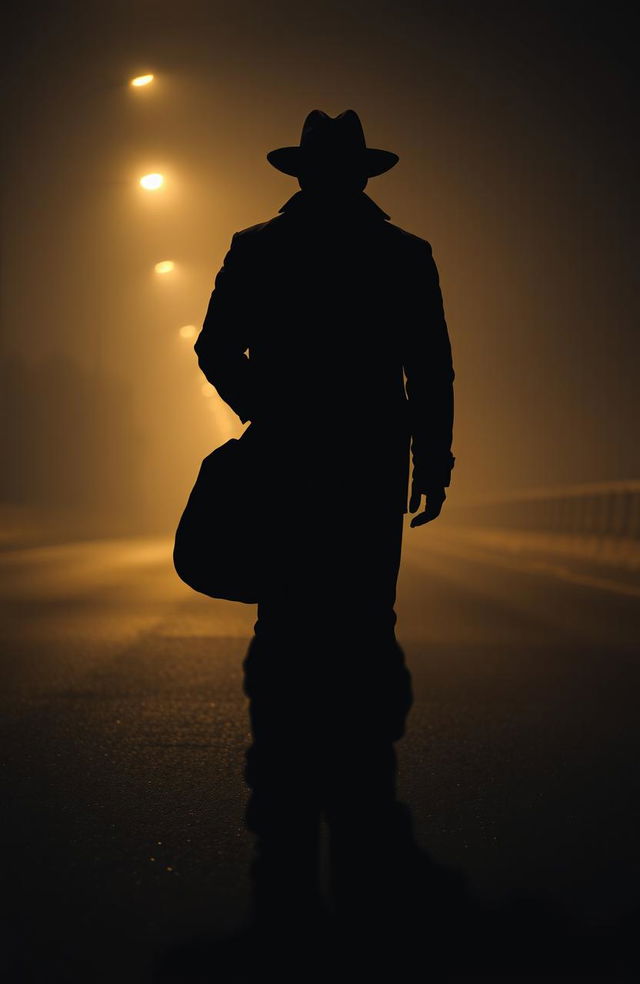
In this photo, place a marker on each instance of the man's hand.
(434, 496)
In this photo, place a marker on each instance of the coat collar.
(359, 203)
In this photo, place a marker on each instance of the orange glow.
(141, 80)
(151, 182)
(165, 266)
(188, 331)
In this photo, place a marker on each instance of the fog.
(515, 131)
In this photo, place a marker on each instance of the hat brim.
(292, 160)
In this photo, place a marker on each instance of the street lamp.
(141, 80)
(151, 182)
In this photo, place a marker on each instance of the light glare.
(152, 181)
(164, 266)
(187, 331)
(141, 80)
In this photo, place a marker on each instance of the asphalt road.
(124, 729)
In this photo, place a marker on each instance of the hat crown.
(323, 132)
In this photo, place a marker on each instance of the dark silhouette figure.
(316, 318)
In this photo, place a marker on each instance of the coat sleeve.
(223, 341)
(429, 375)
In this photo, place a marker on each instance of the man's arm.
(428, 367)
(222, 342)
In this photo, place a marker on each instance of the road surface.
(124, 729)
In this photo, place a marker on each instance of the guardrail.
(610, 509)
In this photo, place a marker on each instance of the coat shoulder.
(407, 239)
(255, 232)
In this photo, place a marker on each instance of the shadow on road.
(322, 773)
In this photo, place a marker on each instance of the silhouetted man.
(316, 317)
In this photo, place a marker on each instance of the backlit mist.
(514, 137)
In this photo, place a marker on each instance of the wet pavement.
(124, 731)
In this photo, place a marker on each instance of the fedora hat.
(328, 141)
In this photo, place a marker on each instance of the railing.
(606, 509)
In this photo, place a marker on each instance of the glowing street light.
(164, 266)
(187, 331)
(151, 182)
(141, 80)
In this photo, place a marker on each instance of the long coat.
(326, 330)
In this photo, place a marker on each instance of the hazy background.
(515, 125)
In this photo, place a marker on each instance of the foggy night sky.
(515, 126)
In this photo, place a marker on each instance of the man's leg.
(323, 671)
